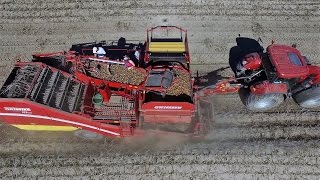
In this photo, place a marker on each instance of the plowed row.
(280, 144)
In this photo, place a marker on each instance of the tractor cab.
(287, 61)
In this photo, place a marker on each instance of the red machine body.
(288, 61)
(24, 113)
(32, 116)
(75, 90)
(252, 61)
(267, 77)
(266, 87)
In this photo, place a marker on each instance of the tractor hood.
(287, 61)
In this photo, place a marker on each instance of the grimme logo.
(168, 107)
(16, 109)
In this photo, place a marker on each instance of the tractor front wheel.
(309, 98)
(260, 103)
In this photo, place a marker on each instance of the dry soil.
(280, 144)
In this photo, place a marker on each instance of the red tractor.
(268, 77)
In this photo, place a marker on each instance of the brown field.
(280, 144)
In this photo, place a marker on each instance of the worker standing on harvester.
(137, 56)
(128, 63)
(99, 52)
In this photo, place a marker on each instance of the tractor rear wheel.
(309, 98)
(260, 103)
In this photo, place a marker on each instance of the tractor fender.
(314, 71)
(266, 87)
(252, 61)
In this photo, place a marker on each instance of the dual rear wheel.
(260, 103)
(309, 98)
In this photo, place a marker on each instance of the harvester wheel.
(309, 98)
(260, 103)
(87, 135)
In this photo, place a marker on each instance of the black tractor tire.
(309, 98)
(260, 103)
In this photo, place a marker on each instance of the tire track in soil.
(231, 161)
(280, 144)
(247, 25)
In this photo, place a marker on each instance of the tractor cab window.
(294, 58)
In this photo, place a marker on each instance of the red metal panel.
(167, 112)
(167, 119)
(280, 59)
(167, 106)
(222, 87)
(82, 77)
(49, 54)
(265, 87)
(314, 71)
(253, 61)
(20, 111)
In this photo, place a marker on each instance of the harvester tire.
(260, 103)
(87, 135)
(309, 98)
